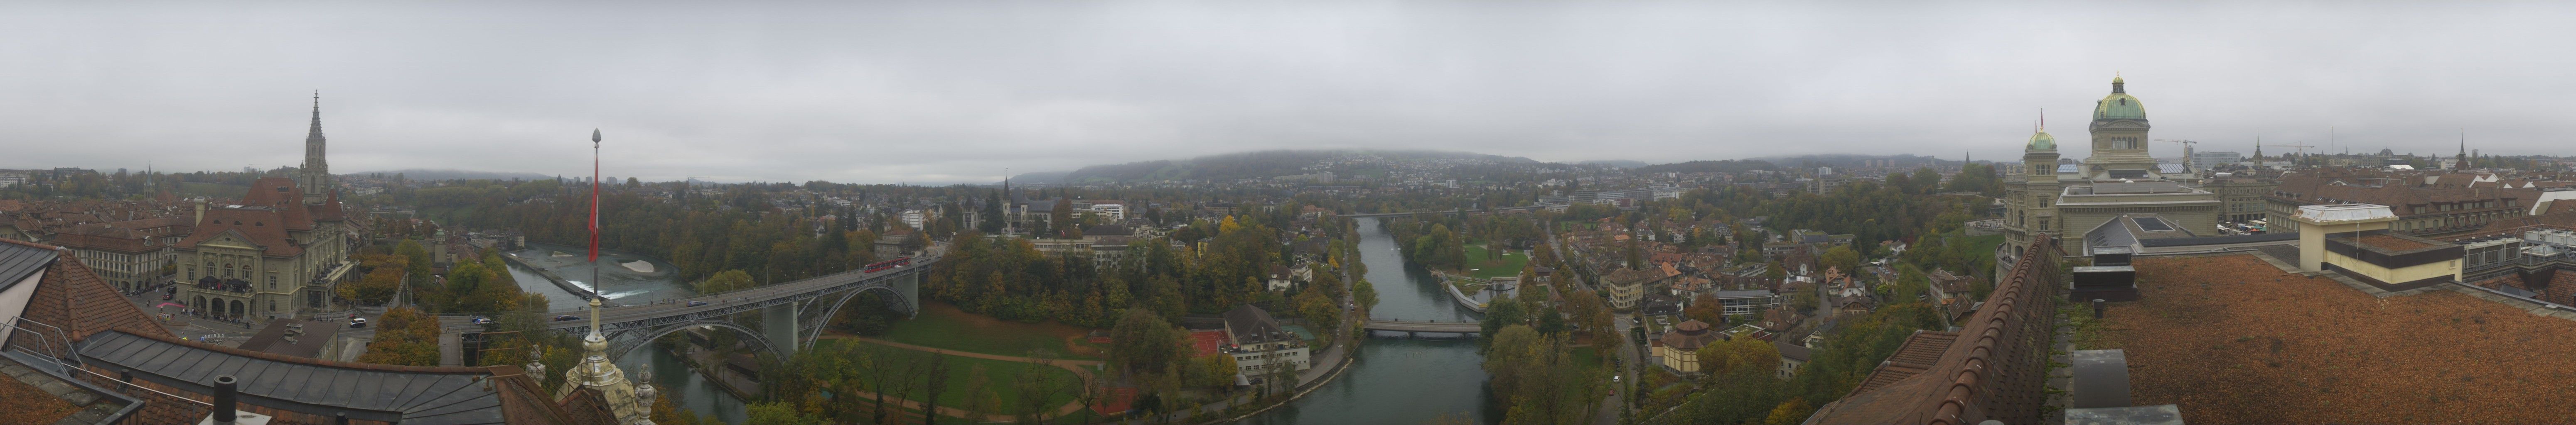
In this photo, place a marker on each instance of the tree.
(979, 399)
(726, 281)
(936, 382)
(1841, 257)
(1790, 412)
(776, 413)
(1035, 386)
(1214, 370)
(1498, 315)
(404, 336)
(1143, 342)
(1706, 309)
(1736, 355)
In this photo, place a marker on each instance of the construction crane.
(2186, 151)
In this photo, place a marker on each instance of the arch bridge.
(807, 304)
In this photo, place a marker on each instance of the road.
(1611, 404)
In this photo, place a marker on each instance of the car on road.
(358, 322)
(165, 297)
(567, 318)
(697, 303)
(480, 320)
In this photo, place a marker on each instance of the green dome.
(2041, 141)
(2119, 105)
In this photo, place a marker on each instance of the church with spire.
(2117, 183)
(276, 252)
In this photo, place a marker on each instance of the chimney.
(227, 407)
(224, 402)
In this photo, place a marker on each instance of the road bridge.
(808, 305)
(1418, 326)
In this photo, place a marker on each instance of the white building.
(1259, 345)
(914, 218)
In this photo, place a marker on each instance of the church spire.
(315, 175)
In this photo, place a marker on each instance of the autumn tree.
(404, 336)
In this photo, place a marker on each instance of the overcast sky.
(955, 91)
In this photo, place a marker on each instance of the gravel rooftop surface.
(2233, 340)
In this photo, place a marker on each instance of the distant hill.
(1613, 163)
(1236, 166)
(421, 174)
(1855, 160)
(1722, 166)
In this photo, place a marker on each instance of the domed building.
(2118, 178)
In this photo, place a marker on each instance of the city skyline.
(883, 93)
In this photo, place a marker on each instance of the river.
(1399, 381)
(1396, 381)
(670, 376)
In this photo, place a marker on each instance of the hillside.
(1722, 166)
(1252, 165)
(424, 174)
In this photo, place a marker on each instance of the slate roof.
(17, 260)
(1252, 325)
(409, 395)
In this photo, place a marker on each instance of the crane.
(2186, 151)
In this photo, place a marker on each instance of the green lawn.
(1001, 376)
(944, 326)
(1482, 267)
(1985, 244)
(1586, 357)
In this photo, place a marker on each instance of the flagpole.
(597, 293)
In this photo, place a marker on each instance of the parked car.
(567, 318)
(697, 303)
(480, 320)
(358, 322)
(165, 297)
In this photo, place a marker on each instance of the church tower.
(2120, 138)
(315, 175)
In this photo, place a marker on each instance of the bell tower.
(315, 175)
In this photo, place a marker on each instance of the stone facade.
(2119, 178)
(276, 254)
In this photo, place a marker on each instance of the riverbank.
(558, 280)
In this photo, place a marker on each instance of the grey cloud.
(956, 91)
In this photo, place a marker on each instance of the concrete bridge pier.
(778, 324)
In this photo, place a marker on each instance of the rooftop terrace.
(2234, 340)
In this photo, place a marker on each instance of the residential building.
(1678, 349)
(1627, 286)
(1745, 302)
(1259, 345)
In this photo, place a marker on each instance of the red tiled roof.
(260, 226)
(71, 297)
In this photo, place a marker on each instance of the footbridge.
(806, 306)
(1413, 326)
